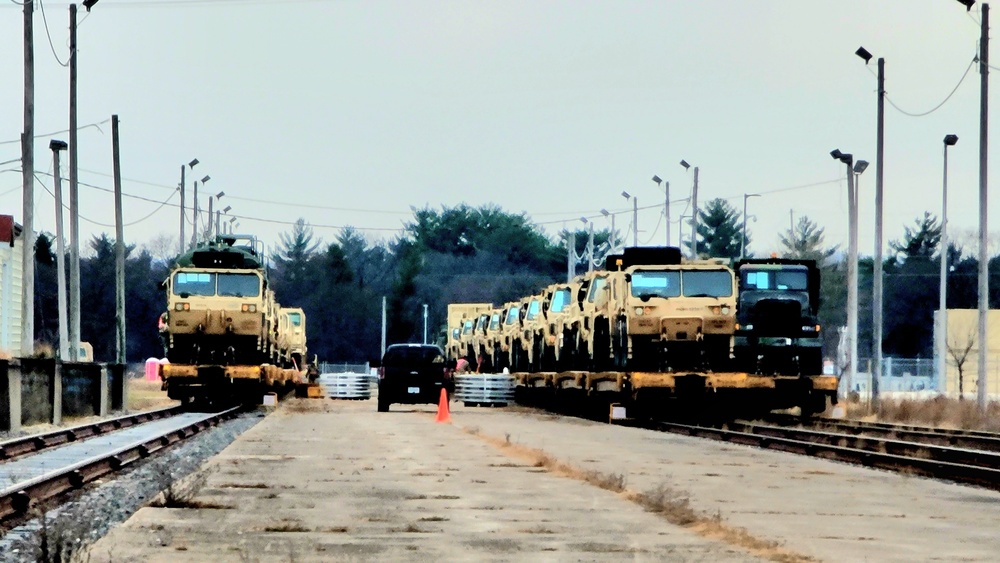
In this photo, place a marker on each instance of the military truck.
(663, 314)
(458, 314)
(778, 329)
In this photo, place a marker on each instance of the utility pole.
(383, 325)
(666, 187)
(590, 249)
(941, 334)
(194, 209)
(877, 281)
(570, 256)
(743, 239)
(57, 146)
(180, 249)
(852, 275)
(74, 200)
(984, 284)
(635, 221)
(694, 216)
(28, 188)
(119, 248)
(208, 223)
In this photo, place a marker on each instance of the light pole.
(635, 217)
(694, 211)
(212, 216)
(57, 146)
(425, 323)
(191, 165)
(218, 219)
(877, 296)
(231, 221)
(611, 237)
(195, 237)
(590, 244)
(852, 261)
(743, 242)
(666, 203)
(942, 332)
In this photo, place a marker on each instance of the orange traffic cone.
(443, 415)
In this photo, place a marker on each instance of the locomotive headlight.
(638, 310)
(249, 308)
(182, 307)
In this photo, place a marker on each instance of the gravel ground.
(113, 500)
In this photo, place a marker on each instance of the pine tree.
(921, 241)
(720, 231)
(805, 242)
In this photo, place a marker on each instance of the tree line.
(486, 254)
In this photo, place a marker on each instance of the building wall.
(962, 335)
(10, 296)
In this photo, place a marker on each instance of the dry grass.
(939, 412)
(286, 526)
(669, 503)
(145, 395)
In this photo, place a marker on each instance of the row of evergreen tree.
(485, 254)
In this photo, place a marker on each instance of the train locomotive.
(225, 335)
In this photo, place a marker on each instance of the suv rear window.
(413, 355)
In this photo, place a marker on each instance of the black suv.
(413, 374)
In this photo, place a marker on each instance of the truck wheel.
(383, 405)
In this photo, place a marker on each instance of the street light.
(635, 217)
(877, 298)
(666, 203)
(940, 337)
(743, 243)
(967, 3)
(57, 146)
(611, 238)
(694, 210)
(191, 165)
(852, 264)
(590, 244)
(195, 236)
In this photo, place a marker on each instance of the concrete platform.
(321, 480)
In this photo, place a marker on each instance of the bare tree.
(162, 247)
(959, 349)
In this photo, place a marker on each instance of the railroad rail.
(969, 439)
(25, 445)
(976, 467)
(32, 480)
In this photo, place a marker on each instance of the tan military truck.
(458, 314)
(292, 337)
(660, 314)
(576, 327)
(529, 342)
(510, 326)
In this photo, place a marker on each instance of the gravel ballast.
(98, 508)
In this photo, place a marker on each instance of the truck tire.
(383, 405)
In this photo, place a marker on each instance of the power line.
(943, 102)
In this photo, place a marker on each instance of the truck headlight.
(638, 310)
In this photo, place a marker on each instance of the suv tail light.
(381, 373)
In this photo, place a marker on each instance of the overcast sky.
(349, 113)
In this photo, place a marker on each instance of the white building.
(11, 251)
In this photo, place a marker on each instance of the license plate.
(412, 389)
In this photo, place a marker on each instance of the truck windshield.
(559, 299)
(194, 283)
(779, 280)
(650, 283)
(495, 321)
(512, 314)
(296, 318)
(239, 285)
(532, 309)
(596, 287)
(708, 283)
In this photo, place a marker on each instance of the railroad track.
(27, 445)
(968, 439)
(962, 465)
(34, 479)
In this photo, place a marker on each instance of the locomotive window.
(512, 314)
(596, 288)
(239, 285)
(656, 284)
(559, 300)
(296, 318)
(194, 283)
(708, 283)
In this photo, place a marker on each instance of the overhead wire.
(943, 102)
(45, 21)
(95, 125)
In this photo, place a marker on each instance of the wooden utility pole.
(74, 201)
(119, 248)
(28, 188)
